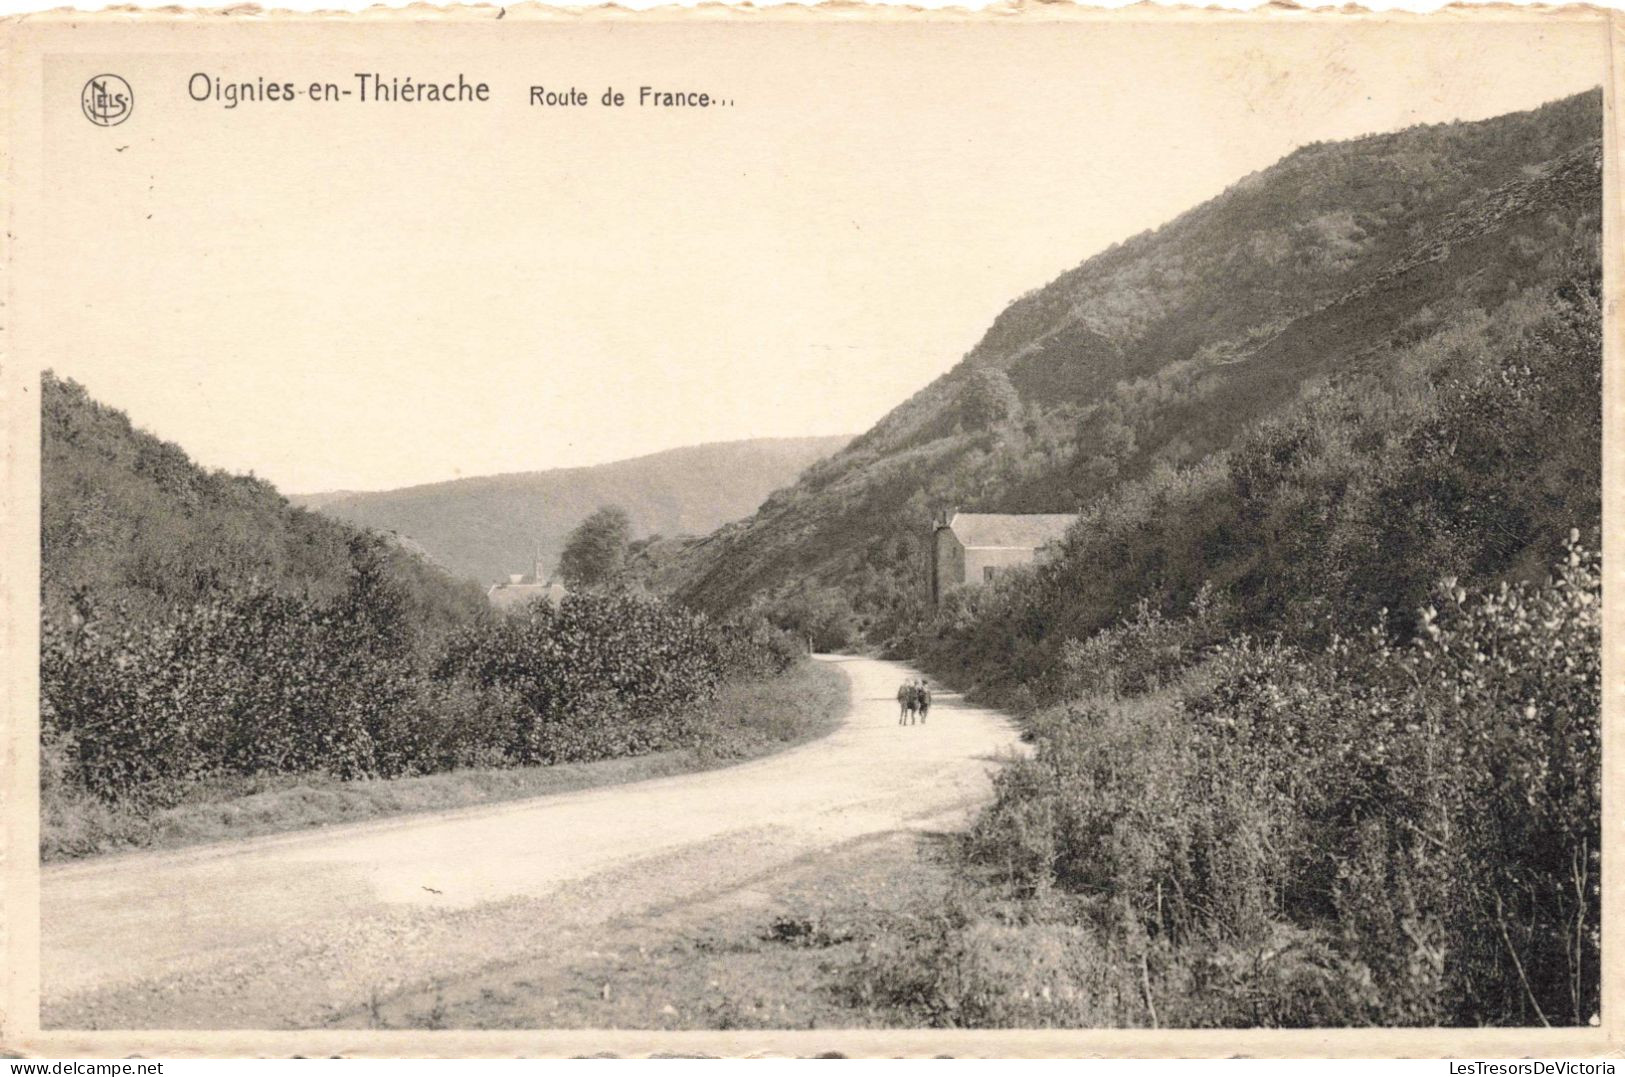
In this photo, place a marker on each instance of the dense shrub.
(973, 964)
(252, 682)
(754, 647)
(1144, 651)
(246, 682)
(605, 674)
(747, 718)
(1417, 824)
(822, 616)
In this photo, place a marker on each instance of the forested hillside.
(488, 527)
(1381, 278)
(127, 519)
(1314, 683)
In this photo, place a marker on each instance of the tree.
(595, 553)
(820, 614)
(989, 398)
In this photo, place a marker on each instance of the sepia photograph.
(975, 526)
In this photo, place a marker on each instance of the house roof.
(504, 595)
(993, 530)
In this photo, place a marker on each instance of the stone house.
(974, 547)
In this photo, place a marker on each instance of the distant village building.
(520, 587)
(974, 547)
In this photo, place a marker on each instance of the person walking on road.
(913, 700)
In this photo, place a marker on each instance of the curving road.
(300, 930)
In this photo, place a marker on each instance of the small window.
(988, 573)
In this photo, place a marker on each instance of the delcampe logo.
(107, 100)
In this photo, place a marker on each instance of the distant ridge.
(486, 527)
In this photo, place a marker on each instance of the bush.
(139, 710)
(1418, 824)
(1144, 651)
(821, 615)
(968, 966)
(604, 674)
(249, 682)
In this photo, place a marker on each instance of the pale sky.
(369, 296)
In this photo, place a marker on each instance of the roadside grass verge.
(888, 931)
(778, 953)
(748, 719)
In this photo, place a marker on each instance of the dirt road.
(299, 930)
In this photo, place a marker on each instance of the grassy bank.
(785, 952)
(748, 719)
(893, 930)
(887, 931)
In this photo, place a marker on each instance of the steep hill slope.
(130, 523)
(487, 527)
(1394, 259)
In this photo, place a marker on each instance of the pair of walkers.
(913, 700)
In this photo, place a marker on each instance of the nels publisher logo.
(107, 100)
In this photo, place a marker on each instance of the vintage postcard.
(1038, 531)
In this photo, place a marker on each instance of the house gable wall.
(947, 564)
(978, 559)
